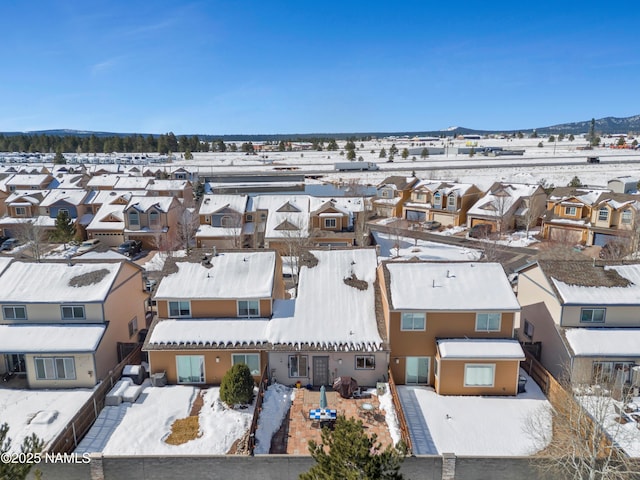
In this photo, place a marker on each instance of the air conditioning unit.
(159, 379)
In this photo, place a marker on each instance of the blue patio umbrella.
(323, 397)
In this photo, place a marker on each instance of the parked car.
(88, 245)
(130, 248)
(9, 244)
(482, 230)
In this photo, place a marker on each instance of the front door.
(417, 370)
(320, 371)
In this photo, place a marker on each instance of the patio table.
(323, 414)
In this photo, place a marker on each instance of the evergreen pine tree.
(17, 471)
(65, 228)
(237, 385)
(348, 453)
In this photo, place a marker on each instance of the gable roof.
(501, 198)
(398, 183)
(214, 203)
(72, 197)
(144, 204)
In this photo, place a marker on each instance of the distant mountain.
(607, 125)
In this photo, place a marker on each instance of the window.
(570, 211)
(55, 368)
(21, 211)
(14, 312)
(413, 321)
(488, 322)
(249, 218)
(528, 329)
(603, 214)
(592, 315)
(365, 362)
(190, 368)
(626, 217)
(437, 200)
(298, 365)
(134, 218)
(478, 375)
(154, 218)
(73, 312)
(65, 211)
(133, 326)
(451, 202)
(179, 309)
(384, 193)
(329, 223)
(421, 197)
(612, 372)
(248, 308)
(251, 360)
(263, 217)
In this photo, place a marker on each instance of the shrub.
(237, 385)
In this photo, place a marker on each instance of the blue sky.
(269, 66)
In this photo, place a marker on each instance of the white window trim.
(169, 302)
(204, 370)
(602, 210)
(301, 374)
(133, 326)
(570, 211)
(13, 307)
(488, 329)
(135, 213)
(604, 316)
(493, 367)
(234, 355)
(402, 329)
(21, 211)
(626, 217)
(330, 220)
(364, 358)
(73, 307)
(248, 315)
(54, 361)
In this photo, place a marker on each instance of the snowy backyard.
(43, 412)
(474, 425)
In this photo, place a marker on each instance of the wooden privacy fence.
(547, 382)
(76, 429)
(404, 429)
(256, 413)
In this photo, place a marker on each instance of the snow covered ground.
(140, 428)
(392, 246)
(43, 412)
(275, 405)
(484, 425)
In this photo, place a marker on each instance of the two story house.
(65, 334)
(107, 218)
(212, 314)
(506, 206)
(568, 214)
(443, 202)
(152, 220)
(451, 325)
(614, 218)
(391, 194)
(21, 206)
(584, 316)
(221, 221)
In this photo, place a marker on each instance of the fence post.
(75, 439)
(448, 466)
(95, 408)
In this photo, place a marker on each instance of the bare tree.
(296, 243)
(187, 227)
(34, 235)
(587, 435)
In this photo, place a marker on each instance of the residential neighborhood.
(386, 305)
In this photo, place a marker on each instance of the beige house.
(153, 221)
(443, 202)
(450, 325)
(583, 316)
(65, 333)
(391, 194)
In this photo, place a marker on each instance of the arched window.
(134, 218)
(154, 218)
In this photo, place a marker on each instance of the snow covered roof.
(50, 338)
(209, 332)
(67, 180)
(132, 183)
(398, 183)
(143, 204)
(31, 180)
(163, 185)
(73, 197)
(330, 310)
(585, 195)
(4, 263)
(581, 283)
(33, 197)
(450, 286)
(214, 203)
(347, 322)
(480, 348)
(501, 197)
(232, 275)
(276, 218)
(108, 217)
(34, 282)
(105, 180)
(208, 231)
(610, 342)
(109, 196)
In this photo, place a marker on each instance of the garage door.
(480, 221)
(416, 216)
(602, 239)
(565, 235)
(444, 219)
